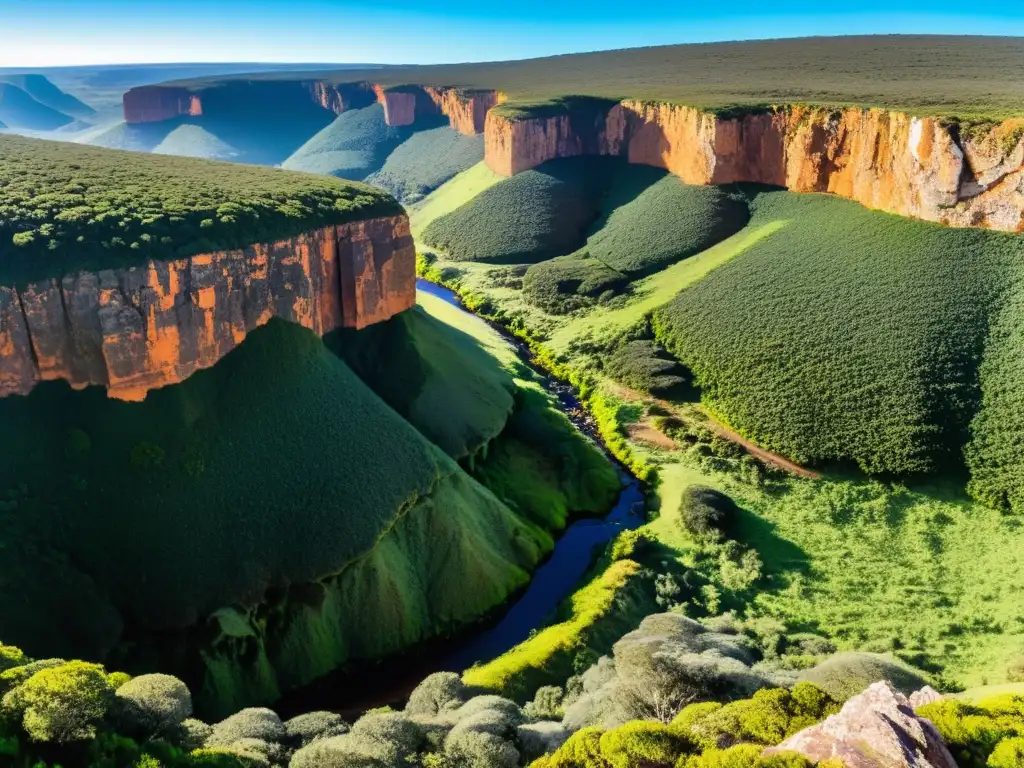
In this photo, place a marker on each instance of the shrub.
(642, 742)
(151, 704)
(537, 739)
(971, 732)
(581, 750)
(436, 693)
(190, 734)
(15, 676)
(60, 704)
(546, 704)
(1009, 753)
(847, 674)
(253, 723)
(10, 656)
(705, 512)
(643, 365)
(479, 749)
(391, 737)
(304, 729)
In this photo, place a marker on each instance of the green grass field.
(68, 207)
(922, 322)
(978, 76)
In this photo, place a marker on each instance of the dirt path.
(642, 432)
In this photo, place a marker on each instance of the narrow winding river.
(391, 681)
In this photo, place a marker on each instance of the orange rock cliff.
(466, 110)
(918, 167)
(135, 329)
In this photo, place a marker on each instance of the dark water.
(557, 578)
(352, 691)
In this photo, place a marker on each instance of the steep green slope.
(355, 145)
(531, 217)
(425, 161)
(649, 220)
(275, 469)
(195, 141)
(19, 110)
(847, 334)
(66, 207)
(48, 94)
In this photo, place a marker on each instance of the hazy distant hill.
(20, 111)
(48, 94)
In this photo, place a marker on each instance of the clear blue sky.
(61, 32)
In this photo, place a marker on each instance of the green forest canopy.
(65, 207)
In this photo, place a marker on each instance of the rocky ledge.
(917, 167)
(135, 329)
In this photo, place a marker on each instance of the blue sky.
(61, 32)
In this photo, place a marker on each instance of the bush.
(972, 732)
(644, 743)
(1009, 753)
(480, 749)
(847, 674)
(60, 704)
(644, 365)
(253, 723)
(11, 656)
(15, 676)
(537, 739)
(581, 750)
(705, 512)
(151, 704)
(304, 729)
(190, 734)
(436, 693)
(546, 704)
(391, 737)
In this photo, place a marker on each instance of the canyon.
(135, 329)
(921, 167)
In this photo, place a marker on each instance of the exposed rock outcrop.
(135, 329)
(876, 729)
(890, 161)
(399, 106)
(466, 110)
(155, 104)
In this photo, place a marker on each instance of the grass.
(66, 207)
(425, 161)
(352, 147)
(847, 335)
(595, 620)
(530, 217)
(916, 570)
(980, 76)
(452, 195)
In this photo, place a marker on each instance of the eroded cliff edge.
(135, 329)
(890, 161)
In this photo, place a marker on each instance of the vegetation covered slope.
(65, 207)
(281, 456)
(531, 217)
(19, 110)
(48, 94)
(847, 334)
(944, 75)
(649, 220)
(425, 161)
(355, 145)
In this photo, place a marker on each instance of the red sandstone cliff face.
(465, 110)
(399, 106)
(884, 160)
(136, 329)
(152, 105)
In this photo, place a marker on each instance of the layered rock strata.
(918, 167)
(138, 328)
(153, 105)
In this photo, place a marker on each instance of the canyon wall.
(465, 110)
(153, 105)
(138, 328)
(917, 167)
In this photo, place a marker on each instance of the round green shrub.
(705, 512)
(436, 693)
(60, 704)
(304, 729)
(643, 743)
(847, 674)
(1009, 753)
(151, 704)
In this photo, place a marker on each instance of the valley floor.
(918, 570)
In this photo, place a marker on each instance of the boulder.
(875, 729)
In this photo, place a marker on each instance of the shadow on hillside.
(779, 555)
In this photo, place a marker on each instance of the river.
(391, 681)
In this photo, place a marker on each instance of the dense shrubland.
(425, 161)
(65, 207)
(847, 334)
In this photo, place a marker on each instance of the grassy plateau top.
(953, 76)
(66, 207)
